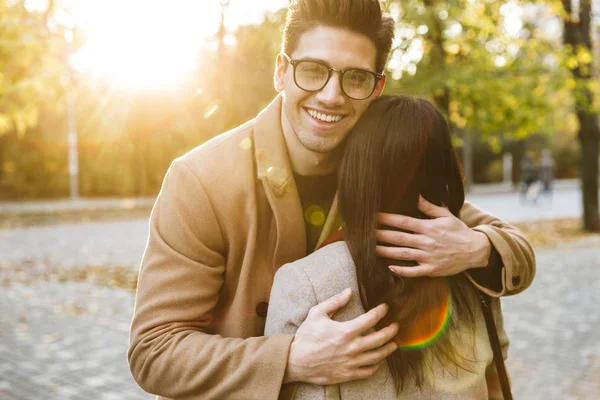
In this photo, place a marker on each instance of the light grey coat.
(300, 285)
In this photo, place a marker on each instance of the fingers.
(413, 272)
(401, 253)
(365, 372)
(403, 239)
(377, 339)
(375, 356)
(401, 222)
(431, 209)
(333, 304)
(366, 321)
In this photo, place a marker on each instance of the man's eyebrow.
(320, 61)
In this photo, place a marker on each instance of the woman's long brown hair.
(400, 149)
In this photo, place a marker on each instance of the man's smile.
(324, 116)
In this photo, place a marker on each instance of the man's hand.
(441, 246)
(326, 352)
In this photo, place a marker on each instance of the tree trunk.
(578, 36)
(442, 95)
(589, 137)
(468, 158)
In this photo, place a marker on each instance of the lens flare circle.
(428, 326)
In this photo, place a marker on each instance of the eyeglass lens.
(356, 83)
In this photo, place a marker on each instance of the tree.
(577, 20)
(31, 66)
(482, 63)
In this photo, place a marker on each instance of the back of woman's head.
(400, 149)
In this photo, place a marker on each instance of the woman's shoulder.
(329, 270)
(330, 259)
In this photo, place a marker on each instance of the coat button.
(516, 280)
(261, 309)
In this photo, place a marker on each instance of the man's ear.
(280, 64)
(379, 87)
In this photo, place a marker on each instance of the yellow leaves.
(25, 118)
(453, 106)
(438, 91)
(452, 49)
(494, 143)
(465, 49)
(458, 120)
(6, 124)
(584, 56)
(539, 91)
(461, 123)
(581, 58)
(572, 62)
(553, 232)
(521, 132)
(467, 110)
(511, 101)
(457, 141)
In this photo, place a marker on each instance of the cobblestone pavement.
(67, 339)
(62, 339)
(554, 326)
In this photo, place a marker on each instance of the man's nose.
(332, 95)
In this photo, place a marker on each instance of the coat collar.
(275, 171)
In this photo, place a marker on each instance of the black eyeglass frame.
(330, 71)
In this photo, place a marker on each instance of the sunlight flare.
(150, 43)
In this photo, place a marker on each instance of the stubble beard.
(316, 145)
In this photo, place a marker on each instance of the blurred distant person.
(528, 176)
(546, 172)
(235, 209)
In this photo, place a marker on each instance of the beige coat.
(227, 217)
(307, 282)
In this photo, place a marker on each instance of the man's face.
(306, 111)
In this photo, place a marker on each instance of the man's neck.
(304, 161)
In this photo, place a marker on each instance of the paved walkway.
(498, 199)
(553, 326)
(64, 320)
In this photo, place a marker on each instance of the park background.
(97, 97)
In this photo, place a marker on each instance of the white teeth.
(324, 117)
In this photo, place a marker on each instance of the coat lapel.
(275, 172)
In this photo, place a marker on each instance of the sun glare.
(141, 43)
(153, 43)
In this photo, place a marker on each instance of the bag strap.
(495, 343)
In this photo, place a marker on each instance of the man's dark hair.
(361, 16)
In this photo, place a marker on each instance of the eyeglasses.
(312, 76)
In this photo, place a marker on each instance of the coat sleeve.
(181, 274)
(518, 258)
